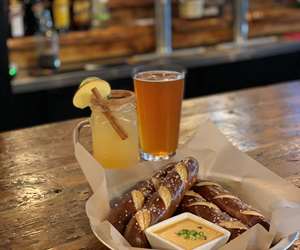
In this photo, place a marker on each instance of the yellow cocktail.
(113, 122)
(108, 148)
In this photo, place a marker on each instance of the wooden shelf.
(127, 38)
(80, 46)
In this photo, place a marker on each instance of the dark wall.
(56, 105)
(5, 93)
(246, 74)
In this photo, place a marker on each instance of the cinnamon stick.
(108, 114)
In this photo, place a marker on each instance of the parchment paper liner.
(220, 161)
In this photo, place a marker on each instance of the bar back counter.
(249, 44)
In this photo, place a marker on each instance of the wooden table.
(43, 191)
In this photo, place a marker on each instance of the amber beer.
(159, 96)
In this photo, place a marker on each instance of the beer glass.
(159, 93)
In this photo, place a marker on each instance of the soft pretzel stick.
(163, 203)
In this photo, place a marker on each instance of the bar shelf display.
(148, 38)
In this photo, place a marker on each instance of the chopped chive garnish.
(191, 234)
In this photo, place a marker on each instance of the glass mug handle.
(78, 129)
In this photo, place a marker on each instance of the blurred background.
(48, 47)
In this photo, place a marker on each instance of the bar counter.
(43, 191)
(120, 68)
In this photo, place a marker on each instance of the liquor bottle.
(61, 14)
(197, 9)
(296, 3)
(81, 10)
(191, 9)
(32, 7)
(16, 16)
(100, 13)
(30, 21)
(292, 3)
(48, 42)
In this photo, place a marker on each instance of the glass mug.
(108, 148)
(159, 93)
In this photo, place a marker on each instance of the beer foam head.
(159, 76)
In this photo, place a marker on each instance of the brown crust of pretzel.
(232, 205)
(163, 203)
(196, 204)
(124, 207)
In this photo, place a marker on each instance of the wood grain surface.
(43, 191)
